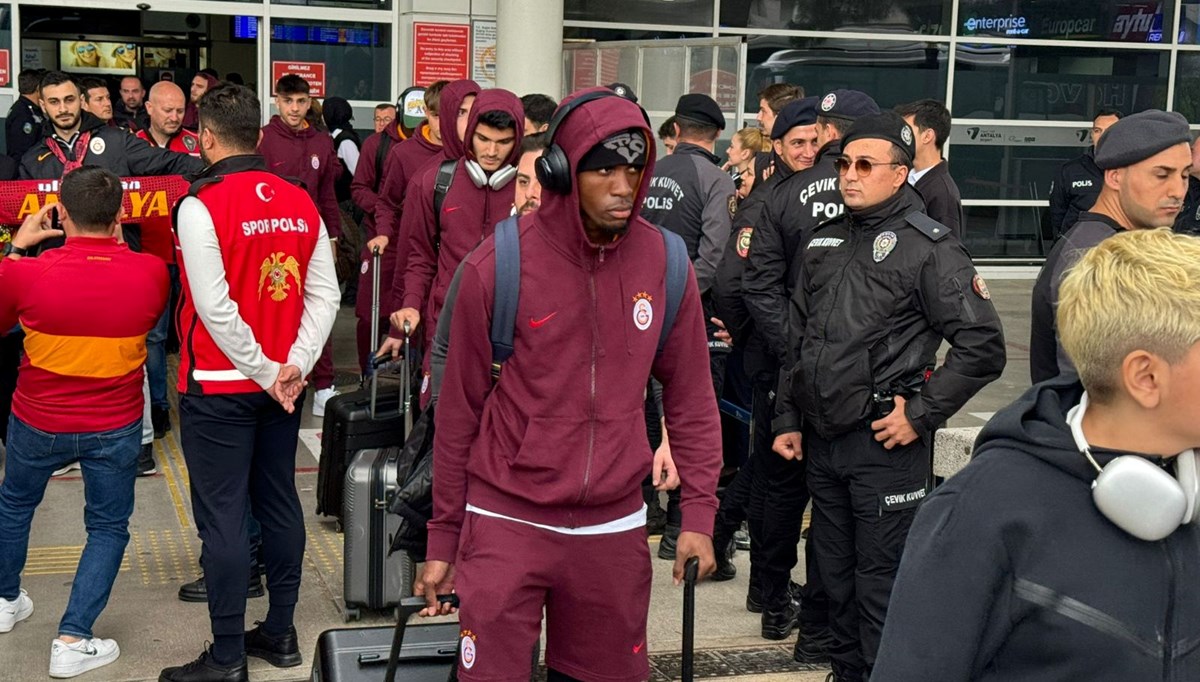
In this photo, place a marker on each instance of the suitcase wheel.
(352, 613)
(337, 526)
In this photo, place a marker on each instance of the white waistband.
(621, 525)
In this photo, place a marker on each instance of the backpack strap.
(676, 279)
(380, 156)
(507, 293)
(441, 185)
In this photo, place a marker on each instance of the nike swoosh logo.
(452, 208)
(638, 648)
(277, 164)
(534, 324)
(43, 156)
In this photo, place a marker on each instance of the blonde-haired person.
(740, 158)
(1146, 159)
(1012, 571)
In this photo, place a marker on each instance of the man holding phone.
(79, 395)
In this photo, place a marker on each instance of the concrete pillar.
(529, 39)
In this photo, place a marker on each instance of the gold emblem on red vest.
(277, 268)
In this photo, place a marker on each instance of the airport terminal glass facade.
(1022, 78)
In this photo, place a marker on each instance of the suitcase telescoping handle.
(409, 606)
(376, 362)
(691, 571)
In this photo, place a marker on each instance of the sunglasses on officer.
(862, 166)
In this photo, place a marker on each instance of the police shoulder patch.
(927, 226)
(733, 204)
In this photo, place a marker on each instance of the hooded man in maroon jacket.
(383, 154)
(479, 196)
(407, 162)
(537, 494)
(294, 149)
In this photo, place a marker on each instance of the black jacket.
(878, 291)
(795, 207)
(1046, 358)
(112, 148)
(728, 297)
(132, 121)
(22, 127)
(691, 196)
(1074, 191)
(1011, 574)
(1188, 221)
(943, 203)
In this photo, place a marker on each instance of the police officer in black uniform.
(691, 196)
(796, 206)
(23, 126)
(1079, 180)
(879, 288)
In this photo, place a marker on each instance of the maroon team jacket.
(469, 214)
(308, 156)
(560, 439)
(362, 189)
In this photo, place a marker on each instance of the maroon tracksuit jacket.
(308, 156)
(560, 439)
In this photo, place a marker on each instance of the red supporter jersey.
(86, 309)
(267, 229)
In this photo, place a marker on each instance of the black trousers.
(241, 449)
(12, 346)
(779, 496)
(864, 501)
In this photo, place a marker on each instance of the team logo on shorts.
(884, 244)
(468, 652)
(906, 135)
(828, 103)
(643, 311)
(316, 162)
(97, 146)
(743, 241)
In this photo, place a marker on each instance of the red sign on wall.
(440, 52)
(313, 72)
(4, 70)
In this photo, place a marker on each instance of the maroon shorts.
(595, 590)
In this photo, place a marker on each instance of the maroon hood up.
(583, 129)
(497, 100)
(452, 97)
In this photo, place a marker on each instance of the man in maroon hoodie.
(537, 497)
(407, 162)
(294, 149)
(376, 196)
(479, 197)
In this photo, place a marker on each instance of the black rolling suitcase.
(411, 653)
(358, 421)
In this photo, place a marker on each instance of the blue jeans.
(109, 463)
(156, 360)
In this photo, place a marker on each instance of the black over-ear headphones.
(553, 168)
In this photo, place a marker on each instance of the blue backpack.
(508, 289)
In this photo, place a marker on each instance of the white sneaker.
(320, 398)
(15, 611)
(69, 660)
(73, 466)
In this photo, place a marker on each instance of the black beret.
(800, 112)
(623, 90)
(1138, 137)
(847, 104)
(886, 125)
(700, 109)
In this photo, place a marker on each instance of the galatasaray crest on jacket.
(643, 311)
(276, 269)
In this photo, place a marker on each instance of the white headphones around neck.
(1137, 496)
(498, 179)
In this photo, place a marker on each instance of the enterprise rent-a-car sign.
(1132, 22)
